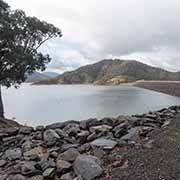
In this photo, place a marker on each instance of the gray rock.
(70, 155)
(133, 135)
(107, 121)
(84, 148)
(88, 167)
(28, 169)
(2, 163)
(101, 128)
(61, 133)
(62, 166)
(82, 136)
(54, 154)
(38, 177)
(99, 153)
(92, 136)
(49, 173)
(13, 139)
(120, 130)
(67, 176)
(60, 125)
(3, 177)
(25, 130)
(86, 124)
(65, 147)
(51, 137)
(12, 131)
(78, 178)
(16, 177)
(36, 152)
(104, 143)
(151, 116)
(40, 128)
(72, 129)
(45, 164)
(13, 154)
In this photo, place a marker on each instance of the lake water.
(41, 105)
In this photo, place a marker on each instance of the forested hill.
(113, 72)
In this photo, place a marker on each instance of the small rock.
(65, 147)
(36, 152)
(67, 176)
(120, 130)
(84, 148)
(54, 154)
(28, 169)
(104, 143)
(40, 128)
(45, 164)
(16, 177)
(13, 154)
(133, 135)
(2, 163)
(49, 173)
(72, 129)
(102, 128)
(99, 153)
(25, 130)
(88, 167)
(51, 137)
(69, 155)
(92, 136)
(38, 177)
(86, 124)
(12, 131)
(82, 136)
(3, 177)
(62, 166)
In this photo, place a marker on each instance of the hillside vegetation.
(112, 72)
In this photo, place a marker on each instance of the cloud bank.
(96, 29)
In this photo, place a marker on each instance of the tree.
(20, 39)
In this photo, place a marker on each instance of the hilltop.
(112, 72)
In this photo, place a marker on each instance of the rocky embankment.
(167, 87)
(72, 150)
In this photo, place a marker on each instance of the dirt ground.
(162, 162)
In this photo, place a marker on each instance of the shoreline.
(79, 149)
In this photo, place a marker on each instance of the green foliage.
(20, 38)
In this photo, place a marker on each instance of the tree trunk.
(1, 105)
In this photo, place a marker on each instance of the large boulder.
(88, 167)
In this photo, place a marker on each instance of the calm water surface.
(41, 105)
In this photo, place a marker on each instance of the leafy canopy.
(20, 38)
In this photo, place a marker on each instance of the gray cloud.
(93, 30)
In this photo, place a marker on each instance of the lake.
(42, 105)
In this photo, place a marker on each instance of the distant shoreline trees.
(20, 38)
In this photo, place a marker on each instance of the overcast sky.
(145, 30)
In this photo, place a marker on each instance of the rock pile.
(75, 150)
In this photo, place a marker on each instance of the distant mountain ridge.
(36, 76)
(113, 72)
